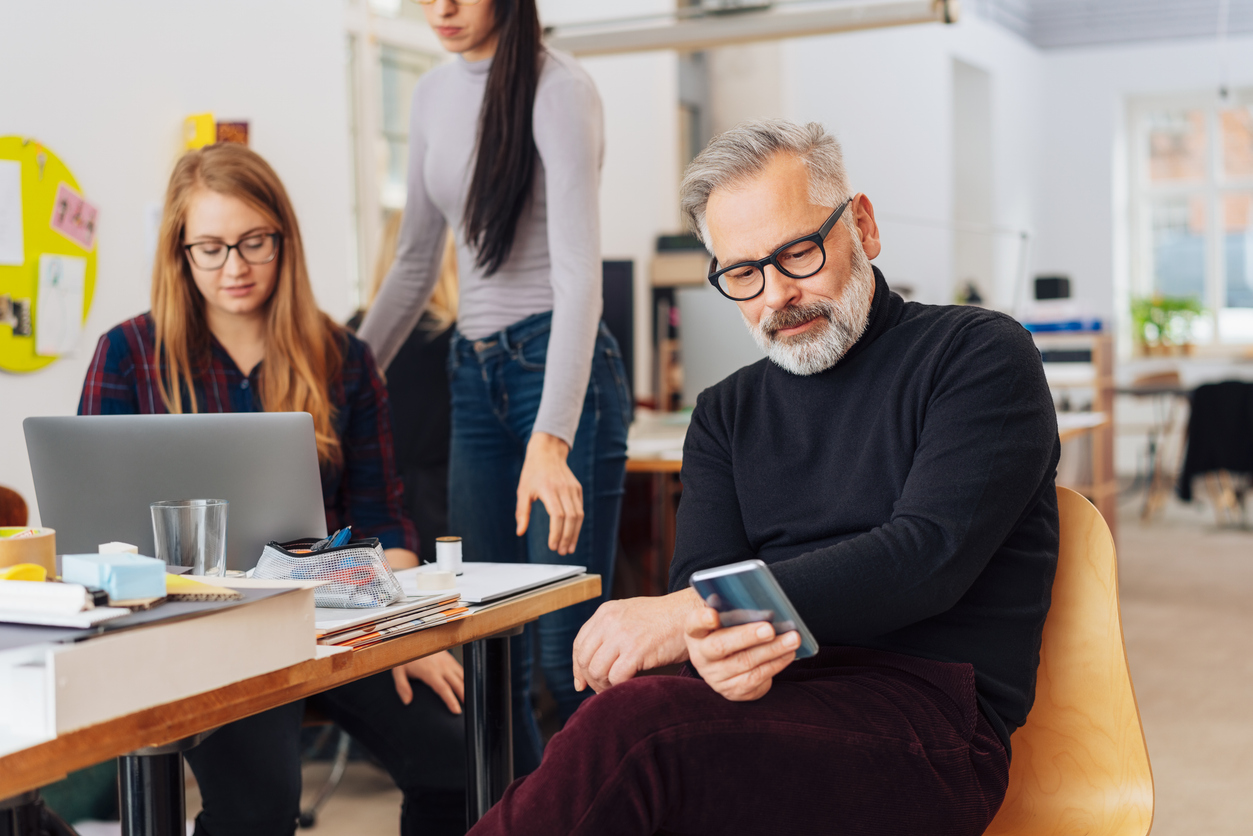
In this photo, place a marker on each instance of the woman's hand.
(547, 477)
(738, 662)
(400, 558)
(440, 672)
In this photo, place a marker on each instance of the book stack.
(362, 628)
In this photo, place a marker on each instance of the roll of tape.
(19, 546)
(448, 554)
(434, 581)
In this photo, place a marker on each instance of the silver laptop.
(96, 475)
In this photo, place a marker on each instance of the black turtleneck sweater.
(904, 498)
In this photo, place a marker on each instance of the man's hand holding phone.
(738, 662)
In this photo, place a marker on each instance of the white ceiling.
(1063, 23)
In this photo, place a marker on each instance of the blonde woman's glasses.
(255, 249)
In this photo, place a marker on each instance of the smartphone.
(747, 591)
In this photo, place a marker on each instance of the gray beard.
(839, 324)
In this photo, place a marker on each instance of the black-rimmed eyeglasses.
(260, 248)
(798, 259)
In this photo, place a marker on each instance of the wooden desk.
(487, 729)
(655, 449)
(1102, 485)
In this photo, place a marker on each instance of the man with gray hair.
(893, 464)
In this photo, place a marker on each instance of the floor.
(1187, 605)
(1187, 588)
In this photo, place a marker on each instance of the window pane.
(1176, 146)
(1237, 127)
(397, 8)
(1238, 249)
(1178, 229)
(399, 70)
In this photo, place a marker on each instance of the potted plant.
(1163, 324)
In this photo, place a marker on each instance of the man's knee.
(628, 713)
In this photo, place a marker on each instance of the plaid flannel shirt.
(366, 492)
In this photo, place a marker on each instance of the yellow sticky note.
(199, 130)
(24, 572)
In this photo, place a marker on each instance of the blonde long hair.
(442, 305)
(303, 346)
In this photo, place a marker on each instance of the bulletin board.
(50, 260)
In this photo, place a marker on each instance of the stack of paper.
(481, 583)
(479, 586)
(361, 628)
(52, 605)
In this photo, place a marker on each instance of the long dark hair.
(504, 160)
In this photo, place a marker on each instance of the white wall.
(639, 187)
(888, 96)
(106, 88)
(1084, 169)
(639, 190)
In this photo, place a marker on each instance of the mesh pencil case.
(358, 573)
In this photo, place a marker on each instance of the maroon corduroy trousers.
(851, 742)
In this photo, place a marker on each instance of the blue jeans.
(496, 385)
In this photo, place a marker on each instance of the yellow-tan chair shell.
(1080, 765)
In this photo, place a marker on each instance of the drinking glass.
(191, 532)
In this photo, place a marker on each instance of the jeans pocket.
(532, 354)
(613, 358)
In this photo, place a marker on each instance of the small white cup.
(448, 554)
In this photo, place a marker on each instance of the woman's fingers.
(572, 521)
(403, 688)
(564, 505)
(522, 513)
(443, 688)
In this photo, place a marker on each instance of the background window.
(1192, 208)
(389, 47)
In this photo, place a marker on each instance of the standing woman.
(505, 147)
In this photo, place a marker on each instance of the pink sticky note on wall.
(74, 217)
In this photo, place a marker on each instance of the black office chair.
(1220, 447)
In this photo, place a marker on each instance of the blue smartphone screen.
(746, 592)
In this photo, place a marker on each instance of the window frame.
(367, 32)
(1143, 194)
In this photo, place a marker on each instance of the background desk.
(489, 747)
(655, 454)
(655, 449)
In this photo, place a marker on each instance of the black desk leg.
(489, 723)
(153, 799)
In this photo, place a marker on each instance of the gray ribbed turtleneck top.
(555, 261)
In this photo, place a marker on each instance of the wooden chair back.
(12, 507)
(1080, 764)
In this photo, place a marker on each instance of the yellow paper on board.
(41, 175)
(199, 130)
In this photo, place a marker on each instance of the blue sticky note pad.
(122, 576)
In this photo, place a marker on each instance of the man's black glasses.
(799, 259)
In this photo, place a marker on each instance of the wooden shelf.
(1097, 375)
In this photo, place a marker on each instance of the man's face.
(805, 325)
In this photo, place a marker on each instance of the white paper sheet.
(59, 305)
(483, 582)
(12, 246)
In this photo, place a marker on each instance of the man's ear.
(867, 227)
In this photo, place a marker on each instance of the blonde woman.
(234, 328)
